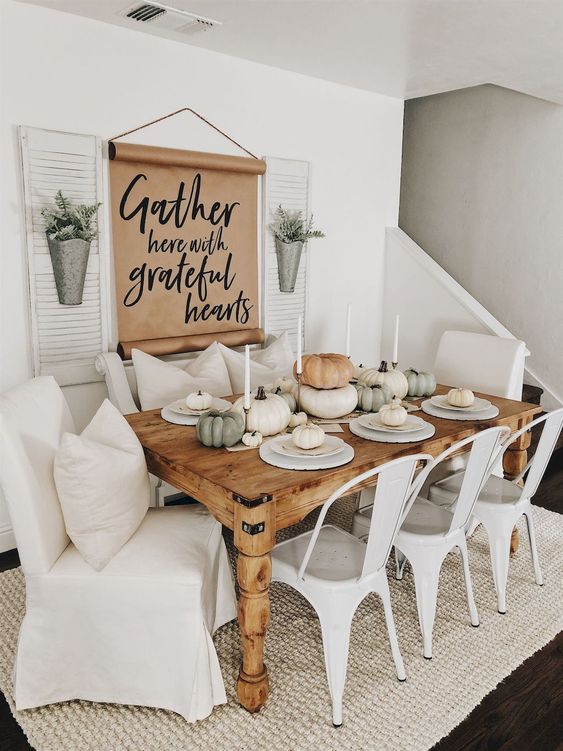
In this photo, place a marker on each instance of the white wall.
(73, 74)
(428, 302)
(482, 193)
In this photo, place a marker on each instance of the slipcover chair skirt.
(137, 632)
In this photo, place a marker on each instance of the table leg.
(255, 534)
(253, 616)
(514, 461)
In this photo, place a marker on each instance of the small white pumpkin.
(308, 436)
(328, 403)
(461, 397)
(199, 400)
(268, 414)
(284, 384)
(393, 415)
(299, 418)
(358, 370)
(395, 379)
(253, 440)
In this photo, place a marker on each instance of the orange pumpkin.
(329, 371)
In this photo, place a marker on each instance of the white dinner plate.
(478, 404)
(452, 414)
(391, 437)
(373, 422)
(305, 463)
(284, 446)
(179, 418)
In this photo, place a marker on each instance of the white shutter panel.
(286, 182)
(66, 338)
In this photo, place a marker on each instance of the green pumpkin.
(420, 383)
(220, 428)
(372, 398)
(286, 396)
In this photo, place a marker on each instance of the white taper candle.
(246, 400)
(396, 341)
(299, 345)
(348, 324)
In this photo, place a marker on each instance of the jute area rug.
(379, 712)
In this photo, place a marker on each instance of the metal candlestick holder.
(394, 365)
(299, 392)
(246, 410)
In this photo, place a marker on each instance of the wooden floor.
(525, 712)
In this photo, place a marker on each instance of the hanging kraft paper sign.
(184, 229)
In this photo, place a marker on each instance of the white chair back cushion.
(33, 418)
(491, 364)
(103, 485)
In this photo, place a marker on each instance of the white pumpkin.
(268, 414)
(199, 400)
(393, 415)
(284, 384)
(299, 418)
(461, 397)
(395, 379)
(308, 436)
(253, 440)
(358, 370)
(328, 403)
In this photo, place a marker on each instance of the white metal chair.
(334, 570)
(502, 502)
(430, 532)
(137, 632)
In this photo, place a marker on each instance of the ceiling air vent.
(167, 17)
(145, 13)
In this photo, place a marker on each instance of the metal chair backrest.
(535, 468)
(392, 494)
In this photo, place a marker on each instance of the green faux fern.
(65, 221)
(291, 227)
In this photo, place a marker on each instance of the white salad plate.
(179, 414)
(411, 425)
(268, 455)
(396, 436)
(478, 404)
(284, 446)
(451, 414)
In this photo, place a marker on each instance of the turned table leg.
(253, 616)
(514, 461)
(254, 523)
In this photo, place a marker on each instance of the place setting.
(391, 424)
(460, 404)
(188, 411)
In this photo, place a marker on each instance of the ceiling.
(402, 48)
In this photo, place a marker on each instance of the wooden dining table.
(255, 500)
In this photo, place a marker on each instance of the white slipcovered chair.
(136, 632)
(480, 362)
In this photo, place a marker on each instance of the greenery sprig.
(65, 221)
(291, 226)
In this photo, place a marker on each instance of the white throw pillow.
(268, 364)
(159, 383)
(103, 485)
